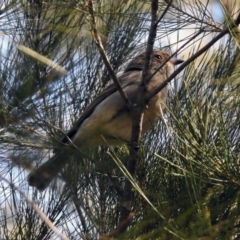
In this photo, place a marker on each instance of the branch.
(137, 118)
(103, 54)
(193, 57)
(37, 209)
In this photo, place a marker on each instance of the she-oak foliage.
(189, 163)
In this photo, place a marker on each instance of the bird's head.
(157, 59)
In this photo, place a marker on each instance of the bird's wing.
(111, 89)
(88, 111)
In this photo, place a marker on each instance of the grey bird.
(107, 121)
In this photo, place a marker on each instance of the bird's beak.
(177, 61)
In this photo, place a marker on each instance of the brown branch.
(98, 42)
(137, 118)
(193, 57)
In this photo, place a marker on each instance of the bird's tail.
(42, 176)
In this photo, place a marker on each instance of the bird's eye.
(158, 57)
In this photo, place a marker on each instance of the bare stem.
(98, 42)
(137, 118)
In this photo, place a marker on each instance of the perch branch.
(137, 118)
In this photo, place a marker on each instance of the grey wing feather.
(125, 81)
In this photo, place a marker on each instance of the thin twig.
(193, 17)
(23, 144)
(193, 57)
(36, 208)
(164, 12)
(103, 54)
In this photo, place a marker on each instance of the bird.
(107, 120)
